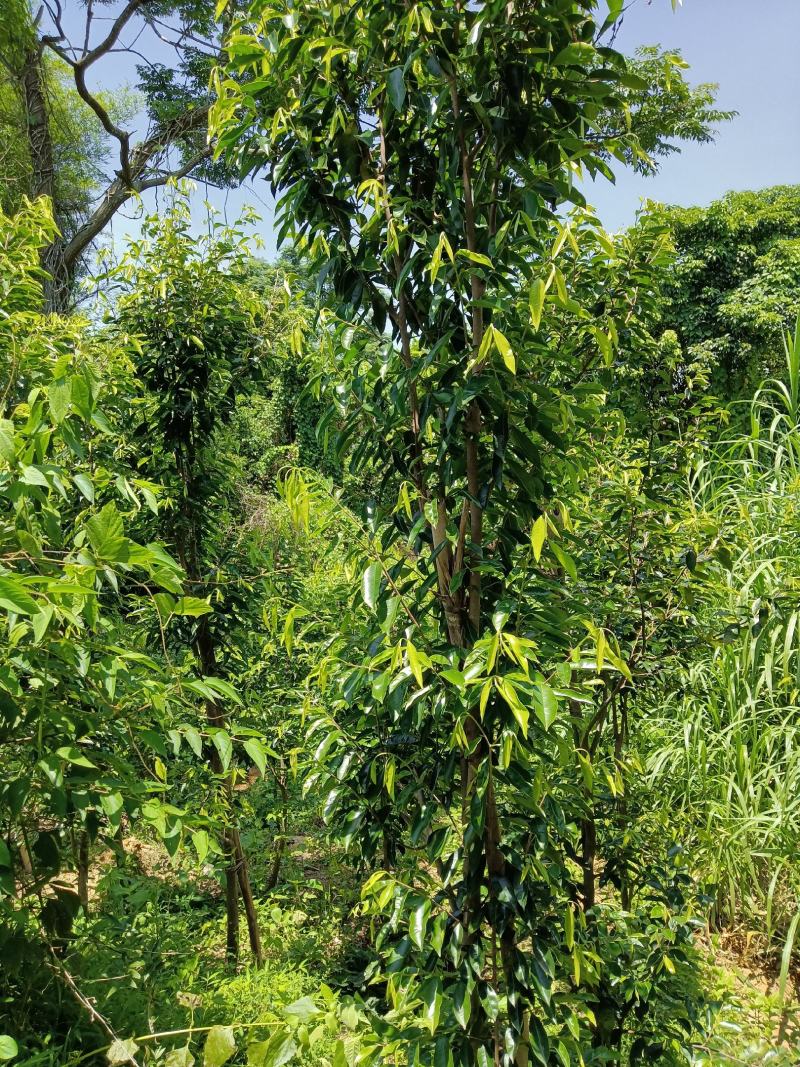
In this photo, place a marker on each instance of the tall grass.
(723, 746)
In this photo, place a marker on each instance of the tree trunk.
(236, 876)
(231, 901)
(58, 284)
(82, 864)
(243, 877)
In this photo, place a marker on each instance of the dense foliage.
(428, 596)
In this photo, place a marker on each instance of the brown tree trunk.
(82, 864)
(243, 878)
(231, 901)
(32, 81)
(236, 876)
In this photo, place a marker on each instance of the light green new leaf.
(303, 1009)
(536, 301)
(8, 1048)
(539, 536)
(220, 1046)
(414, 663)
(505, 350)
(518, 709)
(191, 605)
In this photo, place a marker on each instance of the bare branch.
(174, 175)
(142, 158)
(118, 25)
(89, 17)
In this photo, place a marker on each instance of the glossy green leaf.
(371, 584)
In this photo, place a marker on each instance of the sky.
(748, 47)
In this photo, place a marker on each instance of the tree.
(35, 50)
(735, 288)
(82, 706)
(195, 329)
(424, 157)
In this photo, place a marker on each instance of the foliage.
(418, 582)
(81, 702)
(663, 109)
(80, 148)
(735, 287)
(723, 745)
(420, 156)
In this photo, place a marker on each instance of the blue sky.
(750, 47)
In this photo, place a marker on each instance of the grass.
(722, 744)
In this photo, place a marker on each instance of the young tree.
(425, 155)
(196, 332)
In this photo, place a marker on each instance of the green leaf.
(59, 395)
(14, 598)
(85, 485)
(548, 709)
(200, 842)
(222, 743)
(536, 301)
(191, 605)
(220, 1046)
(539, 536)
(371, 584)
(193, 739)
(179, 1057)
(431, 993)
(8, 1048)
(74, 756)
(303, 1009)
(396, 87)
(34, 476)
(122, 1051)
(255, 750)
(277, 1051)
(7, 449)
(418, 922)
(106, 535)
